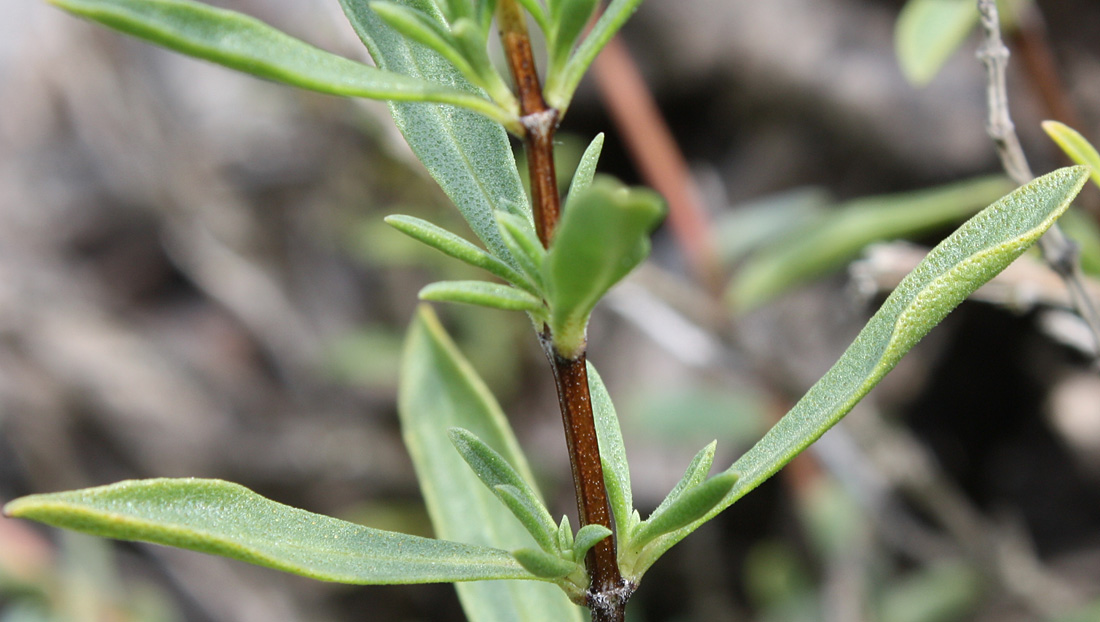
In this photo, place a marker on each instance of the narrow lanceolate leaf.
(586, 168)
(212, 516)
(561, 85)
(468, 155)
(483, 294)
(417, 26)
(600, 239)
(928, 32)
(567, 18)
(688, 507)
(695, 473)
(453, 245)
(616, 471)
(963, 262)
(499, 476)
(249, 45)
(439, 390)
(1076, 146)
(831, 241)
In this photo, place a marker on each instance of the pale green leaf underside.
(1076, 146)
(221, 518)
(247, 44)
(467, 154)
(928, 32)
(439, 390)
(963, 262)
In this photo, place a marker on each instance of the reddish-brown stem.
(607, 592)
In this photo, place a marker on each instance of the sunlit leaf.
(212, 516)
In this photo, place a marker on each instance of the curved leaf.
(249, 45)
(468, 155)
(586, 168)
(439, 390)
(588, 537)
(973, 254)
(221, 518)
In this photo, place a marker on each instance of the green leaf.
(688, 507)
(484, 294)
(616, 471)
(439, 390)
(695, 473)
(499, 476)
(221, 518)
(538, 13)
(519, 236)
(834, 239)
(544, 565)
(928, 32)
(454, 246)
(600, 239)
(247, 44)
(565, 535)
(468, 155)
(561, 85)
(963, 262)
(568, 19)
(586, 169)
(1076, 146)
(419, 27)
(588, 537)
(472, 42)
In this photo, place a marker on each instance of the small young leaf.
(928, 32)
(586, 169)
(1076, 146)
(695, 473)
(495, 472)
(454, 246)
(565, 535)
(688, 507)
(599, 240)
(482, 293)
(561, 85)
(976, 252)
(440, 390)
(221, 518)
(616, 472)
(471, 41)
(543, 565)
(249, 45)
(587, 538)
(519, 236)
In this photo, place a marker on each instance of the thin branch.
(1060, 253)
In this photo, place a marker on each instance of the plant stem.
(539, 120)
(607, 592)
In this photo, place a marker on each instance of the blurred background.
(195, 281)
